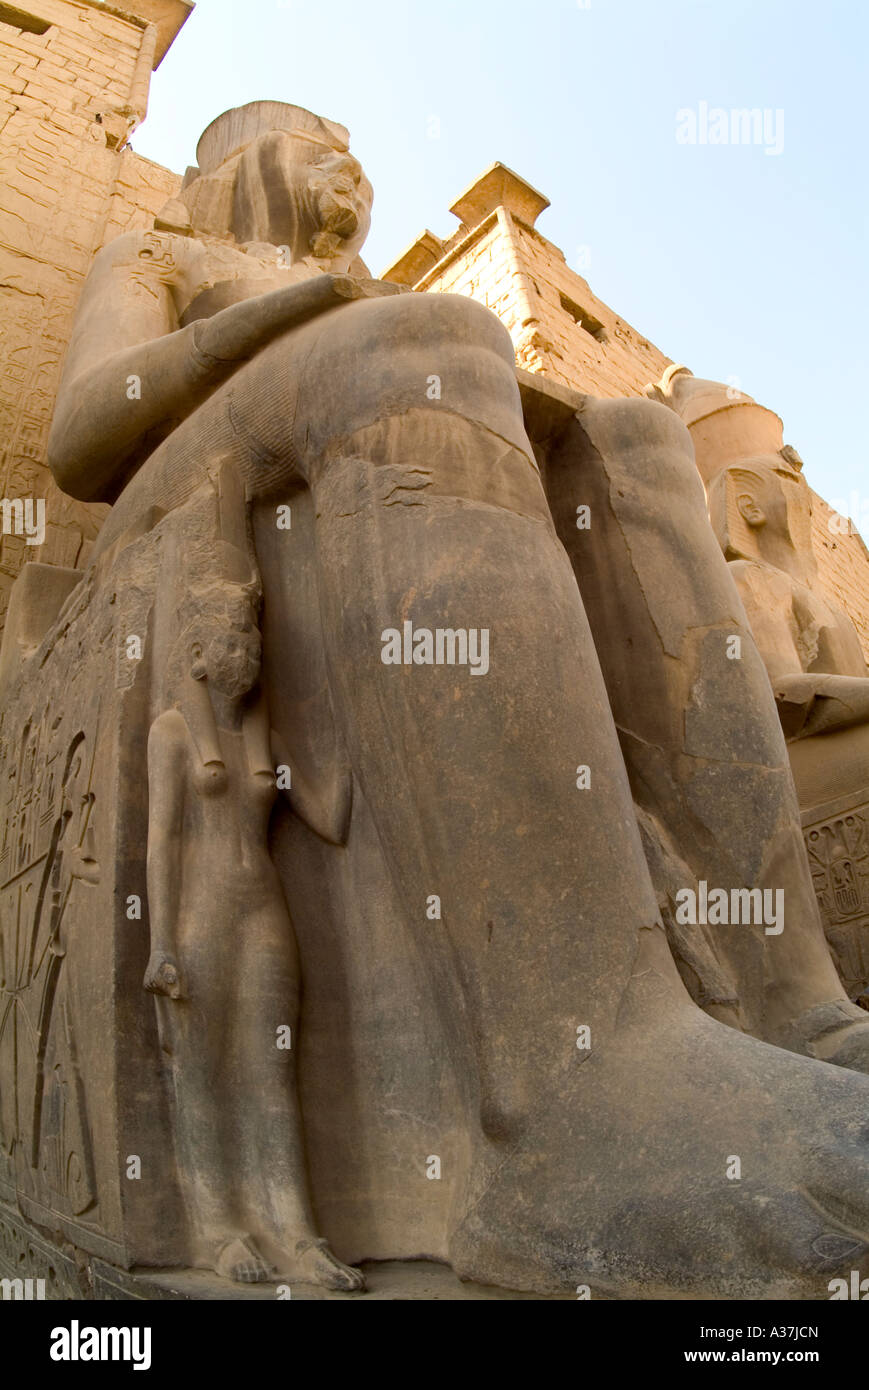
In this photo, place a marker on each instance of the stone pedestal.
(831, 772)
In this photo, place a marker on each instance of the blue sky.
(740, 264)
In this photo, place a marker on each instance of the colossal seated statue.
(761, 510)
(499, 1064)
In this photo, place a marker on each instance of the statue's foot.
(680, 1159)
(239, 1259)
(837, 1032)
(312, 1262)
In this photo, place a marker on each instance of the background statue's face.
(772, 498)
(798, 500)
(292, 192)
(765, 512)
(761, 502)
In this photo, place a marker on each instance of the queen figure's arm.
(166, 774)
(326, 806)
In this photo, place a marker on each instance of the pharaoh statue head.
(760, 505)
(276, 175)
(763, 512)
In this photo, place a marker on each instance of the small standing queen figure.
(224, 961)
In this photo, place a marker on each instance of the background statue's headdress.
(726, 424)
(693, 398)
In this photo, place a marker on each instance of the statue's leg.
(695, 713)
(434, 514)
(609, 1161)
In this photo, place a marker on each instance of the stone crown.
(237, 128)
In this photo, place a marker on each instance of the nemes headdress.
(208, 191)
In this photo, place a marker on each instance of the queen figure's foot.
(240, 1260)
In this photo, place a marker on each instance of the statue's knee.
(392, 358)
(638, 427)
(445, 321)
(640, 450)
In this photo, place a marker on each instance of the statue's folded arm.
(132, 374)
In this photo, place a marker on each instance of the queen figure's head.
(222, 639)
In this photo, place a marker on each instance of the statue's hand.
(164, 977)
(241, 329)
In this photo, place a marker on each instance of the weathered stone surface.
(429, 1002)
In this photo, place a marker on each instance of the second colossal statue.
(762, 513)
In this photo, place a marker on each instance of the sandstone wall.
(66, 187)
(843, 566)
(558, 325)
